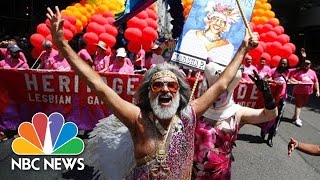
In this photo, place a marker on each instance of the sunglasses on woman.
(158, 86)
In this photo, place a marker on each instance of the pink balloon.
(272, 22)
(36, 40)
(71, 19)
(43, 29)
(263, 44)
(110, 20)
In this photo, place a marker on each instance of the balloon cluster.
(176, 12)
(76, 18)
(141, 30)
(274, 44)
(101, 28)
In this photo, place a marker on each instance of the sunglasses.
(158, 86)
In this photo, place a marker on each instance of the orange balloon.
(66, 12)
(266, 6)
(275, 21)
(269, 14)
(256, 20)
(263, 1)
(257, 5)
(259, 12)
(263, 20)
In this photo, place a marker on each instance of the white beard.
(165, 112)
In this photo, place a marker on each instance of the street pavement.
(254, 160)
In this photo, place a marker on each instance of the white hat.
(121, 52)
(102, 45)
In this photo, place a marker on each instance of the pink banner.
(26, 92)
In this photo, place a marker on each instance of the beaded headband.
(164, 73)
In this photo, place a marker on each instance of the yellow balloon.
(257, 5)
(83, 10)
(77, 5)
(71, 8)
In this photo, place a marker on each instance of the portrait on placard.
(214, 30)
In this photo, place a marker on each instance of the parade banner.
(26, 92)
(214, 30)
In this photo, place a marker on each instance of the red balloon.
(283, 39)
(142, 15)
(91, 38)
(263, 37)
(285, 51)
(275, 61)
(149, 34)
(133, 34)
(280, 28)
(293, 60)
(147, 45)
(36, 40)
(256, 52)
(108, 14)
(96, 17)
(259, 28)
(293, 47)
(43, 29)
(71, 19)
(96, 28)
(91, 48)
(67, 24)
(134, 46)
(142, 24)
(132, 22)
(271, 36)
(267, 57)
(263, 44)
(152, 14)
(47, 22)
(111, 30)
(67, 34)
(267, 28)
(110, 20)
(152, 23)
(273, 22)
(277, 30)
(108, 39)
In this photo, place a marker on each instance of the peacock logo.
(48, 136)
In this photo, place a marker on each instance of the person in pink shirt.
(58, 62)
(83, 53)
(5, 51)
(139, 62)
(12, 60)
(47, 54)
(120, 65)
(101, 61)
(247, 69)
(263, 69)
(306, 80)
